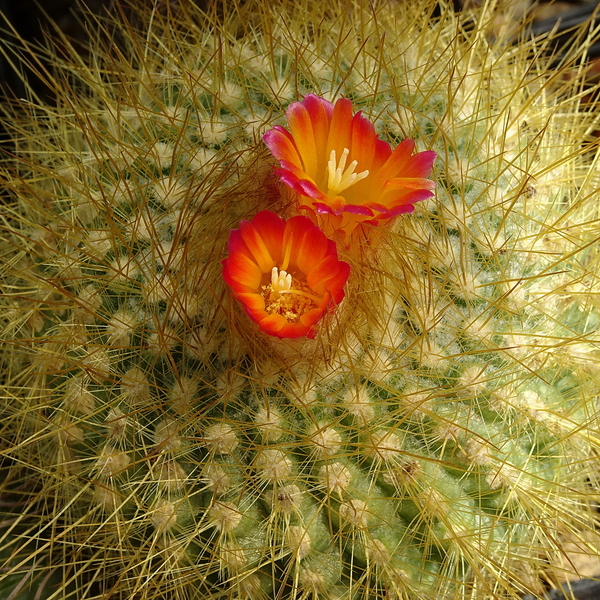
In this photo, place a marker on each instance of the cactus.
(437, 438)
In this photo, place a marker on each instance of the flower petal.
(236, 242)
(420, 164)
(409, 183)
(362, 142)
(303, 187)
(273, 323)
(241, 272)
(302, 131)
(308, 319)
(335, 282)
(320, 111)
(382, 152)
(340, 129)
(310, 244)
(282, 146)
(322, 209)
(290, 167)
(253, 303)
(358, 209)
(278, 326)
(311, 190)
(322, 273)
(263, 237)
(402, 209)
(397, 161)
(408, 199)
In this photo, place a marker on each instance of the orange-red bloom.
(285, 273)
(344, 174)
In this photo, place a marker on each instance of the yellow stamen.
(341, 177)
(291, 303)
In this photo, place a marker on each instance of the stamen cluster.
(341, 177)
(283, 299)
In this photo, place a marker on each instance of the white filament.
(341, 177)
(281, 281)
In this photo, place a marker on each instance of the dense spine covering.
(438, 438)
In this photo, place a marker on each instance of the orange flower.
(344, 174)
(285, 273)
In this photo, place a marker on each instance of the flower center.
(288, 298)
(341, 177)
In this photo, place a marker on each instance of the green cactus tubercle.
(437, 439)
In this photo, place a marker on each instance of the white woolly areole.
(272, 464)
(335, 477)
(404, 474)
(170, 191)
(358, 403)
(477, 451)
(532, 405)
(384, 445)
(324, 441)
(111, 461)
(250, 587)
(472, 381)
(297, 540)
(171, 475)
(233, 558)
(216, 478)
(116, 422)
(161, 154)
(505, 475)
(269, 421)
(312, 582)
(355, 513)
(120, 328)
(225, 517)
(378, 553)
(89, 301)
(97, 364)
(220, 439)
(183, 392)
(418, 404)
(67, 432)
(164, 516)
(106, 496)
(285, 499)
(78, 398)
(166, 436)
(135, 386)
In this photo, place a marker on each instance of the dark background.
(31, 18)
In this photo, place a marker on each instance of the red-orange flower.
(285, 273)
(344, 174)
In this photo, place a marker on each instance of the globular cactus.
(438, 437)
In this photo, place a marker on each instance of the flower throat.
(288, 296)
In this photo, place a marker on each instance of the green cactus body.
(439, 436)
